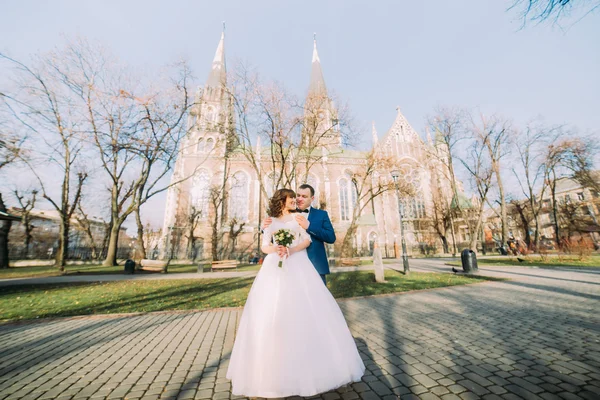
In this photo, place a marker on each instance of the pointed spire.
(257, 151)
(374, 133)
(218, 72)
(429, 141)
(317, 82)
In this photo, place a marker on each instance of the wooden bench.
(349, 262)
(224, 264)
(153, 266)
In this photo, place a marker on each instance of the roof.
(463, 201)
(4, 216)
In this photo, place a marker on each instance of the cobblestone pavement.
(535, 337)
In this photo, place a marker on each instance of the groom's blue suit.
(321, 232)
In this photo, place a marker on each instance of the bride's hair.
(277, 202)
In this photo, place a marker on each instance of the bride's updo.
(277, 202)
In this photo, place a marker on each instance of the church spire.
(374, 133)
(218, 72)
(317, 82)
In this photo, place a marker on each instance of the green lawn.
(59, 300)
(38, 272)
(549, 262)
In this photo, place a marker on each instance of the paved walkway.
(535, 337)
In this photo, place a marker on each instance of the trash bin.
(129, 267)
(469, 261)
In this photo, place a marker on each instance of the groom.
(318, 225)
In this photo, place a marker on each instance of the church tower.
(321, 125)
(212, 114)
(211, 135)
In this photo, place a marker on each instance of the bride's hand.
(302, 221)
(281, 250)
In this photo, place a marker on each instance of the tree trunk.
(4, 230)
(141, 248)
(191, 245)
(478, 226)
(525, 223)
(28, 236)
(503, 213)
(105, 239)
(555, 213)
(347, 249)
(113, 243)
(63, 244)
(215, 239)
(445, 244)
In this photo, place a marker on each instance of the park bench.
(346, 262)
(224, 264)
(153, 266)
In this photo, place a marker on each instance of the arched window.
(210, 144)
(413, 207)
(210, 115)
(205, 145)
(348, 196)
(372, 240)
(344, 203)
(238, 197)
(270, 183)
(200, 193)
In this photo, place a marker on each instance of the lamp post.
(395, 175)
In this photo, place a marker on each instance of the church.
(216, 212)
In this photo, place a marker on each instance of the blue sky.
(377, 55)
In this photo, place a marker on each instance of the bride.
(292, 338)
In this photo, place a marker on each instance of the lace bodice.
(288, 223)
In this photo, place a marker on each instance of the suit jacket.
(321, 232)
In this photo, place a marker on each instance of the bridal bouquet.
(283, 237)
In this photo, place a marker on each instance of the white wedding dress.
(292, 338)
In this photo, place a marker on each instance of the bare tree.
(193, 219)
(43, 105)
(521, 212)
(478, 165)
(5, 225)
(217, 199)
(26, 207)
(447, 125)
(494, 132)
(135, 130)
(86, 225)
(368, 184)
(441, 219)
(568, 158)
(10, 151)
(579, 160)
(554, 10)
(532, 171)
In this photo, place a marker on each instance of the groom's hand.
(266, 223)
(303, 222)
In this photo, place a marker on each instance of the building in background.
(211, 156)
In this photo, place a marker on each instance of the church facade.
(198, 216)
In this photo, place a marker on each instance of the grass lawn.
(60, 300)
(549, 262)
(42, 271)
